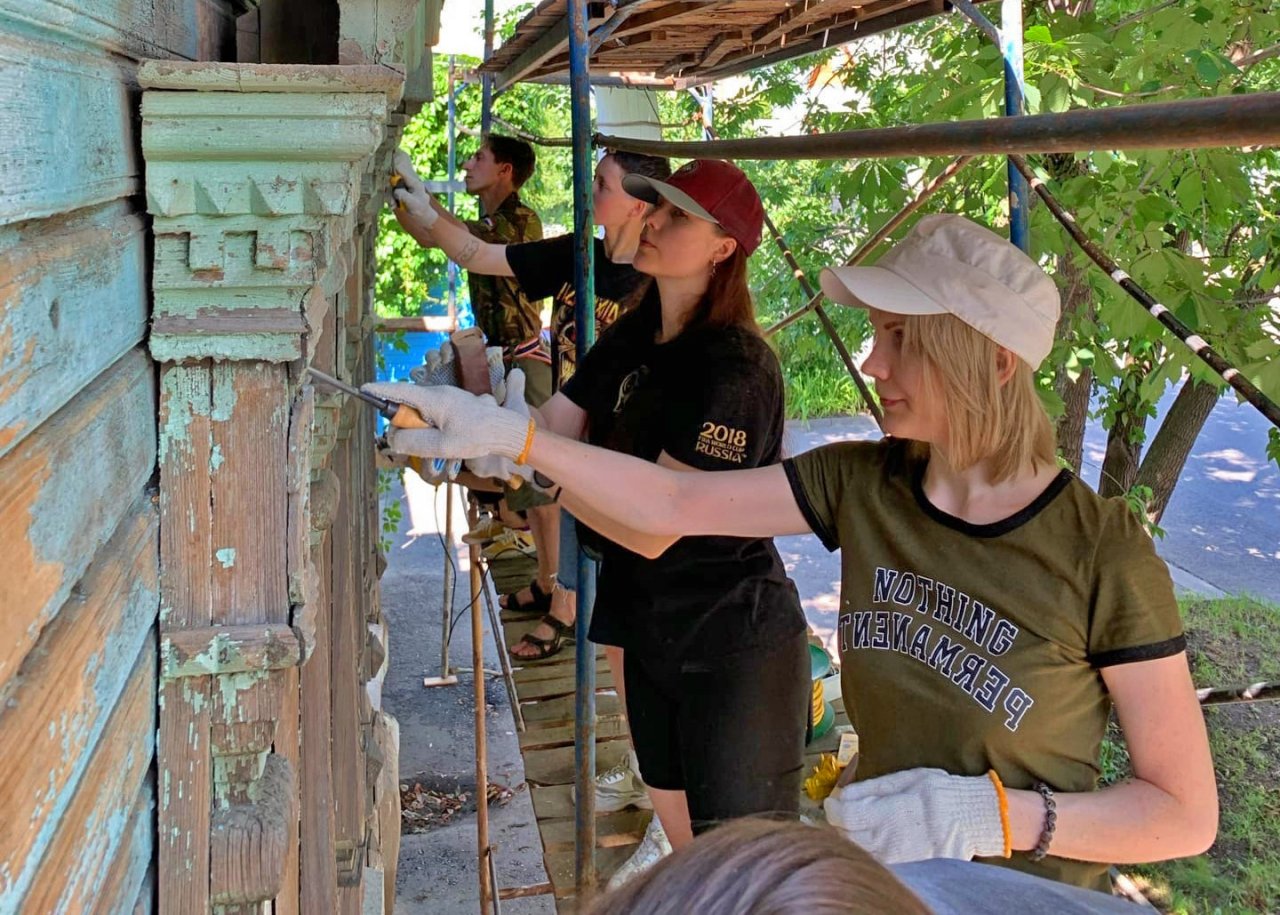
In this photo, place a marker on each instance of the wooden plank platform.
(544, 690)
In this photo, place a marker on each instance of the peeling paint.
(183, 397)
(224, 394)
(215, 461)
(226, 556)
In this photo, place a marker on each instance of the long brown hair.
(762, 867)
(727, 300)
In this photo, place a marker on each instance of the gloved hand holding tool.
(397, 414)
(921, 813)
(461, 424)
(495, 465)
(409, 193)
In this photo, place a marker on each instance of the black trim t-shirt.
(545, 268)
(969, 647)
(712, 399)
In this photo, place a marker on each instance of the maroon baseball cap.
(711, 189)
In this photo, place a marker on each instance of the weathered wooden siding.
(79, 536)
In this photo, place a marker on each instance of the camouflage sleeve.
(516, 225)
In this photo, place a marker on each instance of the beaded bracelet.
(1050, 822)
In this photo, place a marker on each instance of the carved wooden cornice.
(254, 179)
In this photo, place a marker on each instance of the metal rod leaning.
(827, 324)
(880, 235)
(1254, 692)
(1230, 120)
(815, 298)
(504, 659)
(1231, 375)
(978, 18)
(482, 744)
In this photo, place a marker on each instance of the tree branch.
(1138, 15)
(1258, 56)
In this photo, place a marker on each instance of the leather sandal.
(539, 606)
(561, 633)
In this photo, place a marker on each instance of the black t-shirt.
(712, 399)
(545, 268)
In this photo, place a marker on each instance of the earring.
(713, 268)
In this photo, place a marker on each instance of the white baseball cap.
(950, 265)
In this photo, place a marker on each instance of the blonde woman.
(993, 610)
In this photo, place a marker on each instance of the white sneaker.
(653, 848)
(621, 787)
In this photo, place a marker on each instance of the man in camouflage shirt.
(508, 318)
(495, 174)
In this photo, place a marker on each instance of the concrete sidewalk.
(438, 874)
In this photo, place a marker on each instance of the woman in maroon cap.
(717, 672)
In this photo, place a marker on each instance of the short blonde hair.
(1003, 423)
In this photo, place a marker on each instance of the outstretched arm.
(644, 497)
(667, 502)
(431, 225)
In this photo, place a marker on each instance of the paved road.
(1223, 522)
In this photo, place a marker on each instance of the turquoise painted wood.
(59, 719)
(98, 835)
(72, 302)
(133, 30)
(63, 491)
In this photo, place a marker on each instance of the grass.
(1231, 641)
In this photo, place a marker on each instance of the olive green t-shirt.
(970, 647)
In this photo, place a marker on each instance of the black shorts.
(729, 732)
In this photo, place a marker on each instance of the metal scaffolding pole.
(1015, 105)
(451, 269)
(486, 82)
(584, 744)
(1008, 38)
(1252, 119)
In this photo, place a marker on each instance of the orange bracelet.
(1004, 812)
(528, 443)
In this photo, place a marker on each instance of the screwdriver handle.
(396, 181)
(406, 417)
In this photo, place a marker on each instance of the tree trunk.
(1077, 301)
(1173, 443)
(1125, 438)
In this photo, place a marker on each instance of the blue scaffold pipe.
(486, 81)
(584, 748)
(1015, 104)
(451, 269)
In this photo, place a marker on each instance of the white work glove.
(435, 471)
(495, 465)
(410, 197)
(440, 368)
(919, 814)
(462, 424)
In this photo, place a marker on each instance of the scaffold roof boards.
(664, 43)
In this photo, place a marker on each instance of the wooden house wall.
(79, 549)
